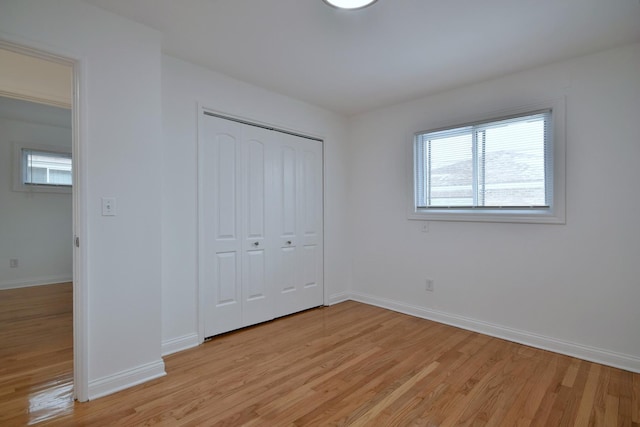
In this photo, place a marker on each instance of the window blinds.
(506, 163)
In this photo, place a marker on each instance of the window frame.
(19, 172)
(554, 214)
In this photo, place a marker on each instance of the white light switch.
(108, 206)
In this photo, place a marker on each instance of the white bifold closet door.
(260, 225)
(297, 208)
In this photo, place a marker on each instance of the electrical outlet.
(13, 263)
(429, 285)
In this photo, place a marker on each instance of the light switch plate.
(108, 206)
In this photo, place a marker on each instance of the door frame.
(78, 191)
(201, 109)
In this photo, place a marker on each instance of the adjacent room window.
(43, 169)
(502, 169)
(46, 168)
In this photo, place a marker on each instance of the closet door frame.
(202, 109)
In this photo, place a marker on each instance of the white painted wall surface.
(183, 86)
(551, 285)
(122, 153)
(35, 228)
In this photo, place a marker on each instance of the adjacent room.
(301, 212)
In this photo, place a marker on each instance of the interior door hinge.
(77, 242)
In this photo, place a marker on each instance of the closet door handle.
(256, 243)
(288, 242)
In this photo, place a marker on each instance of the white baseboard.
(184, 342)
(35, 281)
(592, 354)
(338, 298)
(125, 379)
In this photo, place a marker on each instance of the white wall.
(183, 86)
(35, 228)
(574, 288)
(121, 157)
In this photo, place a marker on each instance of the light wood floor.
(36, 353)
(349, 364)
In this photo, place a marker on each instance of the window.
(42, 168)
(506, 169)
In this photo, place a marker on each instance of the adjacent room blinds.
(46, 168)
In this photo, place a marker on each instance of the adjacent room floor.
(349, 364)
(36, 353)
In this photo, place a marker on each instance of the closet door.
(220, 224)
(260, 224)
(298, 224)
(257, 247)
(236, 260)
(286, 224)
(311, 227)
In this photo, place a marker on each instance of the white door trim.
(78, 113)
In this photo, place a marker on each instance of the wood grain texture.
(36, 353)
(349, 364)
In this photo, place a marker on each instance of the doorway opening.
(40, 219)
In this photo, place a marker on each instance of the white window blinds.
(46, 168)
(506, 163)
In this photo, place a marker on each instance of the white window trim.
(18, 173)
(555, 214)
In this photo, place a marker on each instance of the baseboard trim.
(125, 379)
(338, 298)
(184, 342)
(35, 281)
(591, 354)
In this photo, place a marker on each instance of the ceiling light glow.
(350, 4)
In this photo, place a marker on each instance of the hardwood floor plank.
(395, 394)
(627, 403)
(349, 364)
(572, 372)
(586, 408)
(635, 397)
(528, 398)
(611, 411)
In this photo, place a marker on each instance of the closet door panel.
(299, 189)
(311, 191)
(220, 230)
(257, 293)
(225, 269)
(286, 171)
(225, 186)
(255, 189)
(286, 224)
(311, 231)
(256, 304)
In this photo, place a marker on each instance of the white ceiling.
(393, 51)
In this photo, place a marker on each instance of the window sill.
(42, 189)
(498, 215)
